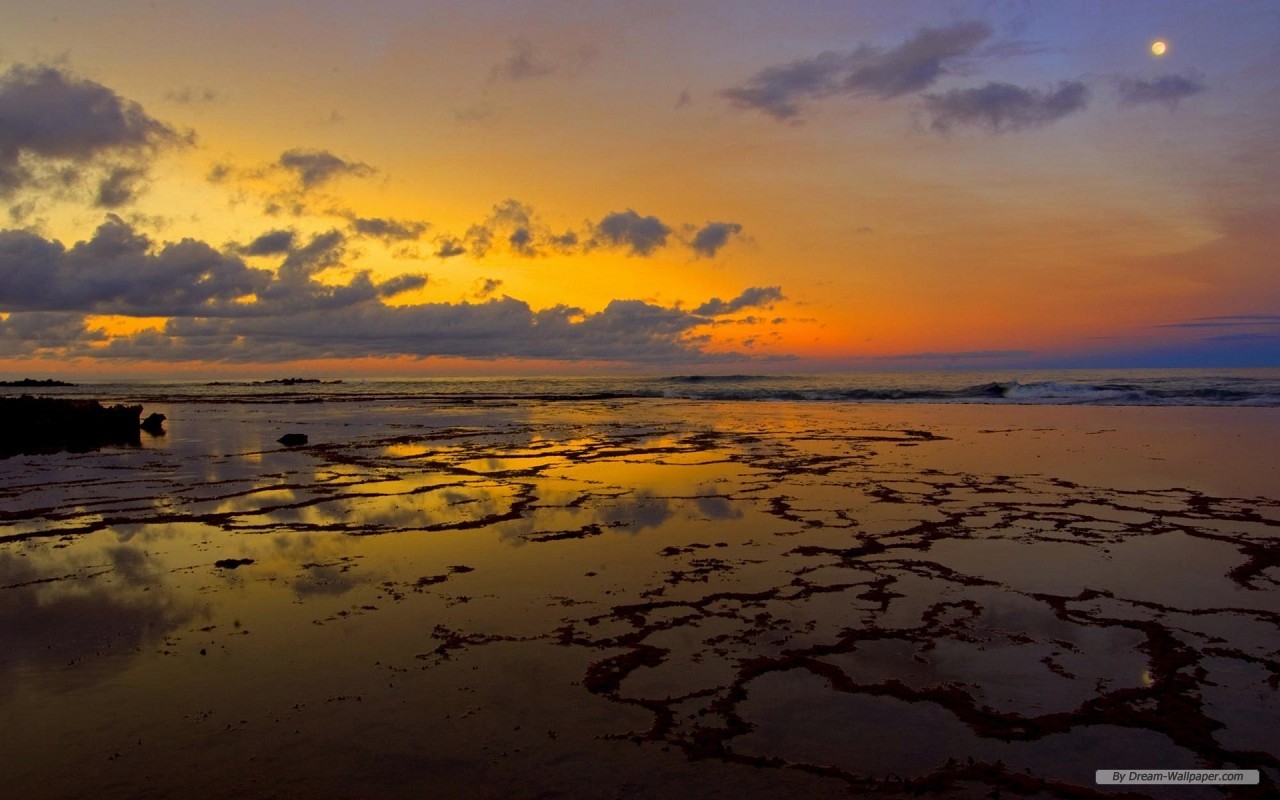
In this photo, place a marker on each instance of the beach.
(644, 597)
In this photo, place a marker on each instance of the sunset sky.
(416, 188)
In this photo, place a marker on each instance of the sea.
(1150, 387)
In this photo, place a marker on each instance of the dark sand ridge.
(634, 598)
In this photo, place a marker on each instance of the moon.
(1158, 47)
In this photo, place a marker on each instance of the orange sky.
(726, 186)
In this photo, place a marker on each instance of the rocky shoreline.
(48, 425)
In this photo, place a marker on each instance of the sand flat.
(641, 598)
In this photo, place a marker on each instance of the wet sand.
(644, 599)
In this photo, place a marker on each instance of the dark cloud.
(1001, 107)
(315, 168)
(271, 243)
(323, 251)
(510, 222)
(514, 228)
(120, 186)
(121, 271)
(479, 239)
(640, 235)
(220, 309)
(401, 284)
(521, 242)
(755, 297)
(117, 272)
(35, 332)
(626, 330)
(713, 236)
(778, 90)
(1166, 90)
(521, 64)
(449, 247)
(487, 286)
(388, 230)
(915, 64)
(48, 115)
(565, 242)
(910, 67)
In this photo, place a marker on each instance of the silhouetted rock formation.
(47, 424)
(293, 382)
(154, 424)
(292, 439)
(33, 382)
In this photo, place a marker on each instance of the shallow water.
(634, 597)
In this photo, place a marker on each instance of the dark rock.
(34, 382)
(48, 424)
(232, 563)
(154, 424)
(294, 382)
(292, 439)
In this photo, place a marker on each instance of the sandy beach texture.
(640, 599)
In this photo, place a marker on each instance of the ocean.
(1181, 387)
(941, 585)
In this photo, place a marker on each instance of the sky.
(419, 188)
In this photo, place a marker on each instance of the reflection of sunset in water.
(747, 585)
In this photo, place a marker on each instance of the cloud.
(270, 243)
(449, 247)
(778, 90)
(117, 272)
(515, 229)
(640, 235)
(512, 226)
(487, 286)
(401, 284)
(626, 330)
(50, 118)
(910, 67)
(45, 332)
(915, 64)
(713, 236)
(1166, 90)
(521, 64)
(120, 186)
(479, 239)
(515, 220)
(314, 168)
(388, 230)
(755, 297)
(121, 271)
(220, 309)
(1001, 107)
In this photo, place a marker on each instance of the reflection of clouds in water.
(326, 567)
(634, 514)
(325, 580)
(718, 507)
(133, 565)
(49, 626)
